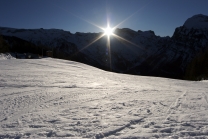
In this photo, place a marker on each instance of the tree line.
(197, 69)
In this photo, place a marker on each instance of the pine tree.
(4, 47)
(198, 67)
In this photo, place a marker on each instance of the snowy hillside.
(198, 22)
(131, 52)
(57, 98)
(126, 53)
(49, 37)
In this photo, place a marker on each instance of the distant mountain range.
(133, 52)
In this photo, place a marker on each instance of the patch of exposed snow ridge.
(205, 81)
(197, 21)
(6, 56)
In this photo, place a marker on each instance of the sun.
(108, 31)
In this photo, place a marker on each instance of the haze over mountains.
(134, 52)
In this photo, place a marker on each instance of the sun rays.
(108, 32)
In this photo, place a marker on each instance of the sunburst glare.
(108, 31)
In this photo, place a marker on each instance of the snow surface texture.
(197, 22)
(56, 98)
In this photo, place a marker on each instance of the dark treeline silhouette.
(16, 45)
(198, 67)
(4, 47)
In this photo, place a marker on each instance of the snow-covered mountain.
(197, 22)
(133, 52)
(55, 98)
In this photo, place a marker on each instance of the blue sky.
(161, 16)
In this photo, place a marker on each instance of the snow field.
(57, 98)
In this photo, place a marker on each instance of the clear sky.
(161, 16)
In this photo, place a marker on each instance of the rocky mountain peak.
(199, 21)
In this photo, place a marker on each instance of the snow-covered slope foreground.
(57, 98)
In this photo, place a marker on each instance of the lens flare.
(108, 31)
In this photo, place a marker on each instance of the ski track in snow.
(57, 98)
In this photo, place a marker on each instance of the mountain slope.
(57, 98)
(140, 53)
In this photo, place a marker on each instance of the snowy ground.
(57, 98)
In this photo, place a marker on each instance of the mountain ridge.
(133, 52)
